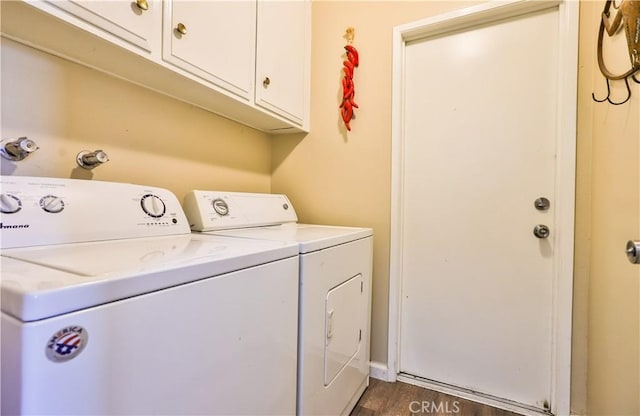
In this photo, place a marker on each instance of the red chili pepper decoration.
(348, 88)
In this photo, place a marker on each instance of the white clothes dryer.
(110, 305)
(334, 297)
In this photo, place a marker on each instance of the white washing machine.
(110, 305)
(335, 290)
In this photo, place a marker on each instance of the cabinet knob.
(266, 82)
(142, 4)
(182, 29)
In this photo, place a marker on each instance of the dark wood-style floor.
(398, 399)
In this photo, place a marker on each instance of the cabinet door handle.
(142, 5)
(266, 82)
(182, 29)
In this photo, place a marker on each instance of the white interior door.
(479, 147)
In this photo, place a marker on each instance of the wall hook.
(608, 97)
(350, 34)
(17, 149)
(90, 160)
(627, 17)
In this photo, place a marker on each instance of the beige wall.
(150, 139)
(607, 216)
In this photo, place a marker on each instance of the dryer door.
(343, 309)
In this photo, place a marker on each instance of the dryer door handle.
(330, 324)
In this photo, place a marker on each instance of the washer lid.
(309, 237)
(45, 281)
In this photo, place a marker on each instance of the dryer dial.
(220, 206)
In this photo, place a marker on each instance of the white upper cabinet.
(214, 40)
(247, 60)
(135, 22)
(282, 58)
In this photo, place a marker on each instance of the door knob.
(541, 231)
(633, 251)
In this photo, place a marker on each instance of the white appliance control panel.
(215, 210)
(41, 211)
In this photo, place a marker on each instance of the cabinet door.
(214, 40)
(135, 22)
(282, 58)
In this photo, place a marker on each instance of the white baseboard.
(379, 371)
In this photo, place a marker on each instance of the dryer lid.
(309, 237)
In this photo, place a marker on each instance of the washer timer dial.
(153, 206)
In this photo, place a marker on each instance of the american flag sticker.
(67, 343)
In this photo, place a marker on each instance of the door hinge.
(361, 287)
(360, 336)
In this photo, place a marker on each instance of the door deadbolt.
(541, 231)
(542, 204)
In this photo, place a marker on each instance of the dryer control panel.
(215, 210)
(41, 211)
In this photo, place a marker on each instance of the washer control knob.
(52, 204)
(153, 206)
(9, 204)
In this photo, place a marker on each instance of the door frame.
(565, 175)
